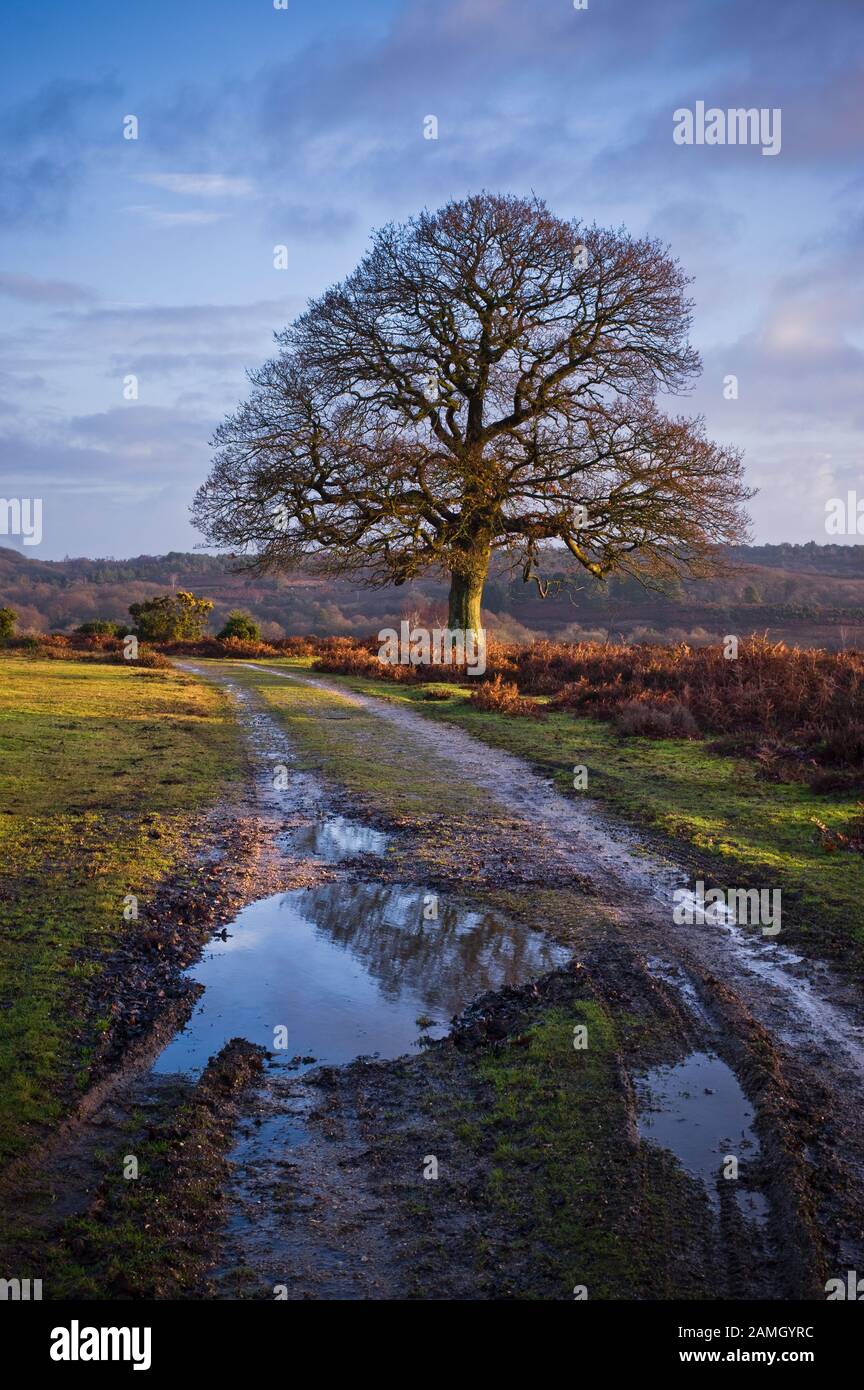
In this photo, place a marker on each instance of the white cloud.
(201, 185)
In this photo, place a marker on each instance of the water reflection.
(337, 838)
(697, 1109)
(348, 968)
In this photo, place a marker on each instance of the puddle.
(347, 969)
(753, 1205)
(798, 1012)
(697, 1110)
(335, 839)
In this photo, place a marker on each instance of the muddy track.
(803, 1003)
(792, 1029)
(143, 988)
(324, 1164)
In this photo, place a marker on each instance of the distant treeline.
(793, 587)
(810, 557)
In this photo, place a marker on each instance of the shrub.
(653, 719)
(171, 617)
(240, 625)
(843, 745)
(843, 780)
(98, 627)
(502, 697)
(146, 659)
(212, 646)
(151, 661)
(298, 646)
(346, 657)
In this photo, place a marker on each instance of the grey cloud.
(154, 435)
(169, 364)
(37, 191)
(127, 333)
(173, 217)
(307, 220)
(34, 290)
(90, 506)
(50, 139)
(56, 111)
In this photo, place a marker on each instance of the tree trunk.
(466, 592)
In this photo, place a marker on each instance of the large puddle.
(698, 1111)
(349, 969)
(343, 969)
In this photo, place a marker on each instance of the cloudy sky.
(304, 126)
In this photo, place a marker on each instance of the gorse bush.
(171, 617)
(8, 619)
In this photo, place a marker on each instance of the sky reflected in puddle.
(698, 1111)
(337, 838)
(348, 968)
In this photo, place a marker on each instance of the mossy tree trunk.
(466, 593)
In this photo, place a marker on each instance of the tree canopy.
(176, 617)
(8, 619)
(486, 379)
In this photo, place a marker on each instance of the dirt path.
(325, 1198)
(811, 1018)
(804, 1005)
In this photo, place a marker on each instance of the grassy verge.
(103, 772)
(730, 826)
(554, 1106)
(559, 1119)
(152, 1227)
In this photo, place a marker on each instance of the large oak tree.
(486, 379)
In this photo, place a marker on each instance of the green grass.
(557, 1116)
(712, 810)
(103, 770)
(543, 1190)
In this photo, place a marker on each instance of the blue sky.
(304, 126)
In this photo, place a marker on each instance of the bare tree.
(486, 379)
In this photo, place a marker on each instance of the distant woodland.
(809, 594)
